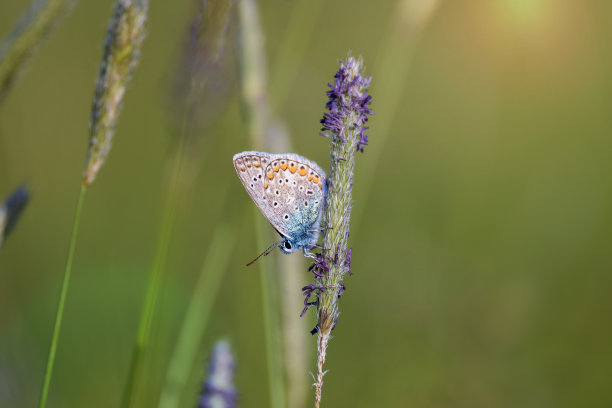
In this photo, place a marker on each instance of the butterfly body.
(289, 190)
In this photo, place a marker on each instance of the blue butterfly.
(289, 190)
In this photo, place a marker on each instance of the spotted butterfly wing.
(288, 189)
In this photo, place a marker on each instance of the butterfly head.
(287, 246)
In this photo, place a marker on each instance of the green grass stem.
(301, 24)
(197, 316)
(62, 300)
(154, 282)
(261, 125)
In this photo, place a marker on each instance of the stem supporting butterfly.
(344, 124)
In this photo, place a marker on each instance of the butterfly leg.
(320, 247)
(309, 254)
(323, 228)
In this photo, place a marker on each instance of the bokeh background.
(481, 229)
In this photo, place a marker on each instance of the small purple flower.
(347, 261)
(342, 289)
(320, 266)
(219, 391)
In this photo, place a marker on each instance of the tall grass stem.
(344, 124)
(261, 128)
(286, 66)
(197, 316)
(155, 279)
(62, 300)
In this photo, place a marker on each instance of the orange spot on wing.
(292, 169)
(270, 176)
(266, 184)
(321, 185)
(309, 178)
(276, 169)
(284, 166)
(256, 164)
(316, 180)
(302, 172)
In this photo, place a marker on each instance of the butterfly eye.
(287, 245)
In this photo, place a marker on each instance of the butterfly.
(289, 190)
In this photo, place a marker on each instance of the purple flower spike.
(348, 102)
(344, 123)
(219, 391)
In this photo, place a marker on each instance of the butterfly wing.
(288, 189)
(250, 167)
(295, 188)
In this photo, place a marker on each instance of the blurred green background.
(481, 229)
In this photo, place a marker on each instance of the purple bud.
(219, 388)
(11, 209)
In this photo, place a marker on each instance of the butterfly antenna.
(266, 252)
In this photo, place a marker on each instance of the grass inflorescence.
(124, 39)
(121, 50)
(344, 124)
